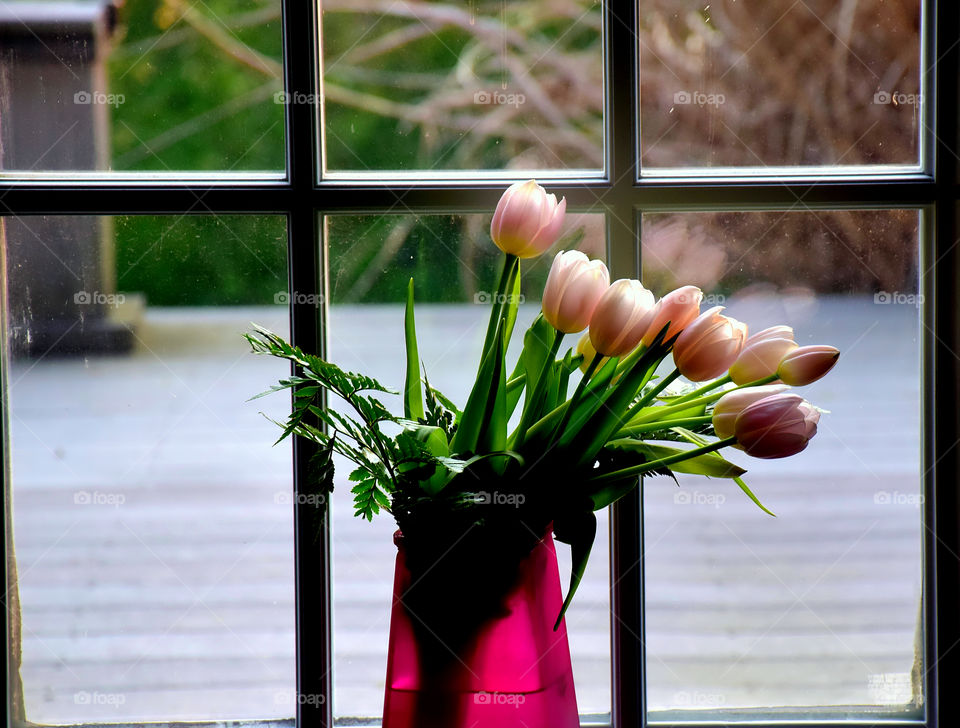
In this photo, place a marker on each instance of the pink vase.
(508, 669)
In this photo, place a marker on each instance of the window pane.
(758, 83)
(820, 606)
(152, 519)
(158, 86)
(455, 266)
(452, 86)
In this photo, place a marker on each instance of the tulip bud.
(730, 405)
(776, 426)
(585, 348)
(709, 345)
(574, 287)
(621, 318)
(807, 364)
(527, 220)
(760, 358)
(679, 308)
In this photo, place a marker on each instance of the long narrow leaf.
(616, 401)
(492, 436)
(581, 536)
(471, 421)
(712, 465)
(412, 391)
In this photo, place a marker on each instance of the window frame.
(303, 195)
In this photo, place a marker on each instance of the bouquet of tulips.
(435, 466)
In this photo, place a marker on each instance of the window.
(826, 174)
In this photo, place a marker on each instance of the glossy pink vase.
(508, 670)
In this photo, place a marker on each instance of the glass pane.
(453, 86)
(757, 83)
(821, 606)
(455, 265)
(149, 85)
(152, 519)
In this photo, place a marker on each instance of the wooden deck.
(154, 537)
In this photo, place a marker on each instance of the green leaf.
(536, 350)
(412, 392)
(579, 530)
(613, 491)
(616, 402)
(493, 427)
(434, 441)
(751, 496)
(479, 403)
(712, 465)
(514, 392)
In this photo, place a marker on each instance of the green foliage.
(385, 463)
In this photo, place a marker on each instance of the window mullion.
(307, 326)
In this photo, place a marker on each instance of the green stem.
(665, 424)
(702, 390)
(651, 395)
(662, 462)
(529, 412)
(577, 393)
(659, 412)
(517, 381)
(510, 263)
(630, 359)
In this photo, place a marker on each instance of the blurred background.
(153, 520)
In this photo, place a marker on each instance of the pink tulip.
(574, 287)
(730, 405)
(807, 364)
(709, 345)
(621, 318)
(527, 220)
(776, 426)
(760, 358)
(585, 348)
(678, 308)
